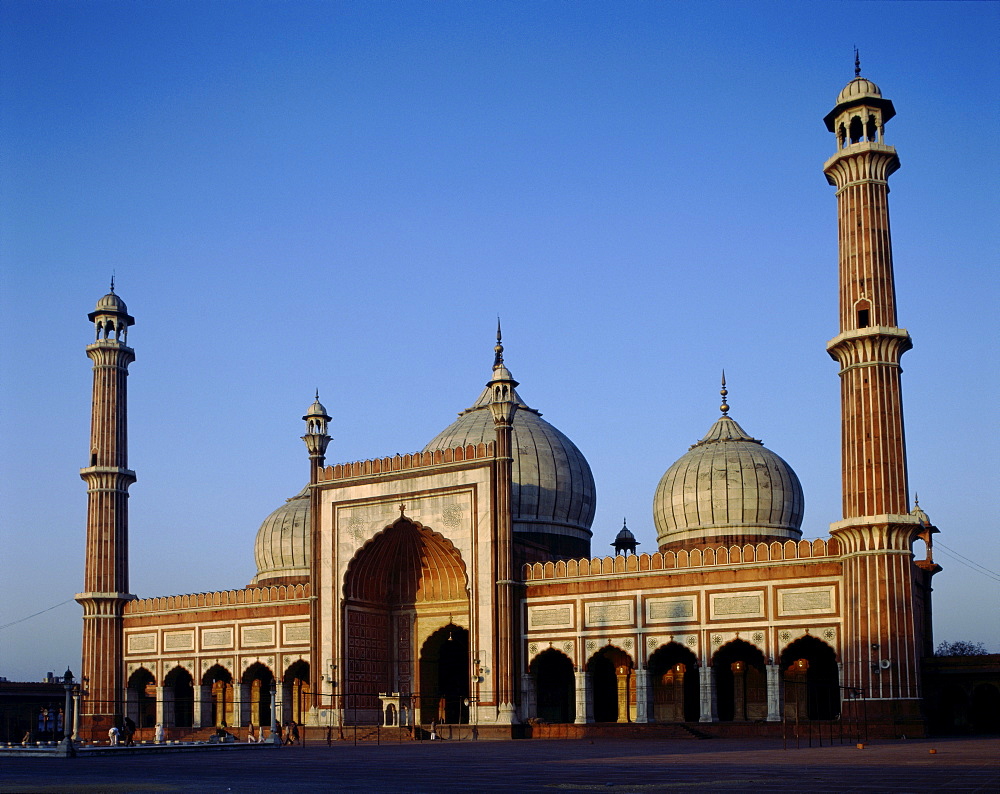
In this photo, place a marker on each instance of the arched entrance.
(396, 589)
(141, 698)
(673, 671)
(257, 681)
(811, 680)
(740, 682)
(611, 684)
(444, 676)
(220, 683)
(555, 691)
(179, 688)
(297, 697)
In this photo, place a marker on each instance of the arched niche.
(673, 674)
(612, 685)
(740, 682)
(811, 680)
(555, 690)
(396, 589)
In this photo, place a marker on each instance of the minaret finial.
(317, 394)
(498, 350)
(916, 499)
(857, 63)
(724, 391)
(112, 282)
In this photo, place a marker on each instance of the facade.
(455, 584)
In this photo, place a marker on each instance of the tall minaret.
(108, 478)
(882, 643)
(503, 407)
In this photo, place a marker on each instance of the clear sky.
(296, 195)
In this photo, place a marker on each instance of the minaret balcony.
(877, 344)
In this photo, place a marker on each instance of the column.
(642, 698)
(165, 706)
(706, 682)
(202, 706)
(584, 699)
(775, 693)
(622, 674)
(241, 704)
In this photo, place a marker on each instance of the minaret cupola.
(860, 113)
(111, 318)
(317, 439)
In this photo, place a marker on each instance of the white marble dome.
(554, 497)
(728, 488)
(858, 88)
(282, 549)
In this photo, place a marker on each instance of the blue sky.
(345, 196)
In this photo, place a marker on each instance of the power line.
(29, 617)
(975, 566)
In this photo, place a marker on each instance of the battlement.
(685, 558)
(416, 460)
(222, 598)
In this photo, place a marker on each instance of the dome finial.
(112, 282)
(724, 391)
(857, 63)
(498, 350)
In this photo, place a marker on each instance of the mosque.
(456, 584)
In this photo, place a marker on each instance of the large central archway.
(403, 584)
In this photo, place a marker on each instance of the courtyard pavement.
(529, 766)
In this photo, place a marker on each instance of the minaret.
(882, 646)
(503, 408)
(108, 478)
(317, 439)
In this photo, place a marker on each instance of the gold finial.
(498, 350)
(857, 63)
(724, 391)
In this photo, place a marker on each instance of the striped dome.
(282, 550)
(553, 495)
(728, 488)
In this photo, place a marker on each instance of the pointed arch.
(740, 681)
(554, 686)
(674, 675)
(811, 679)
(612, 684)
(220, 682)
(178, 687)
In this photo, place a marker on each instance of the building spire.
(498, 349)
(112, 282)
(857, 63)
(724, 391)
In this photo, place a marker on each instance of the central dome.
(728, 488)
(553, 495)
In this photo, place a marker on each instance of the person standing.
(158, 733)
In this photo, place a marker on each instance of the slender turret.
(884, 611)
(108, 478)
(503, 407)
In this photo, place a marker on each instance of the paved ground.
(529, 766)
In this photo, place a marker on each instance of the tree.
(961, 648)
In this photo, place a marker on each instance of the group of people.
(289, 734)
(124, 734)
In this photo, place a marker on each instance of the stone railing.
(416, 460)
(221, 598)
(685, 558)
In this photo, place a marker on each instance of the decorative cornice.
(861, 163)
(869, 346)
